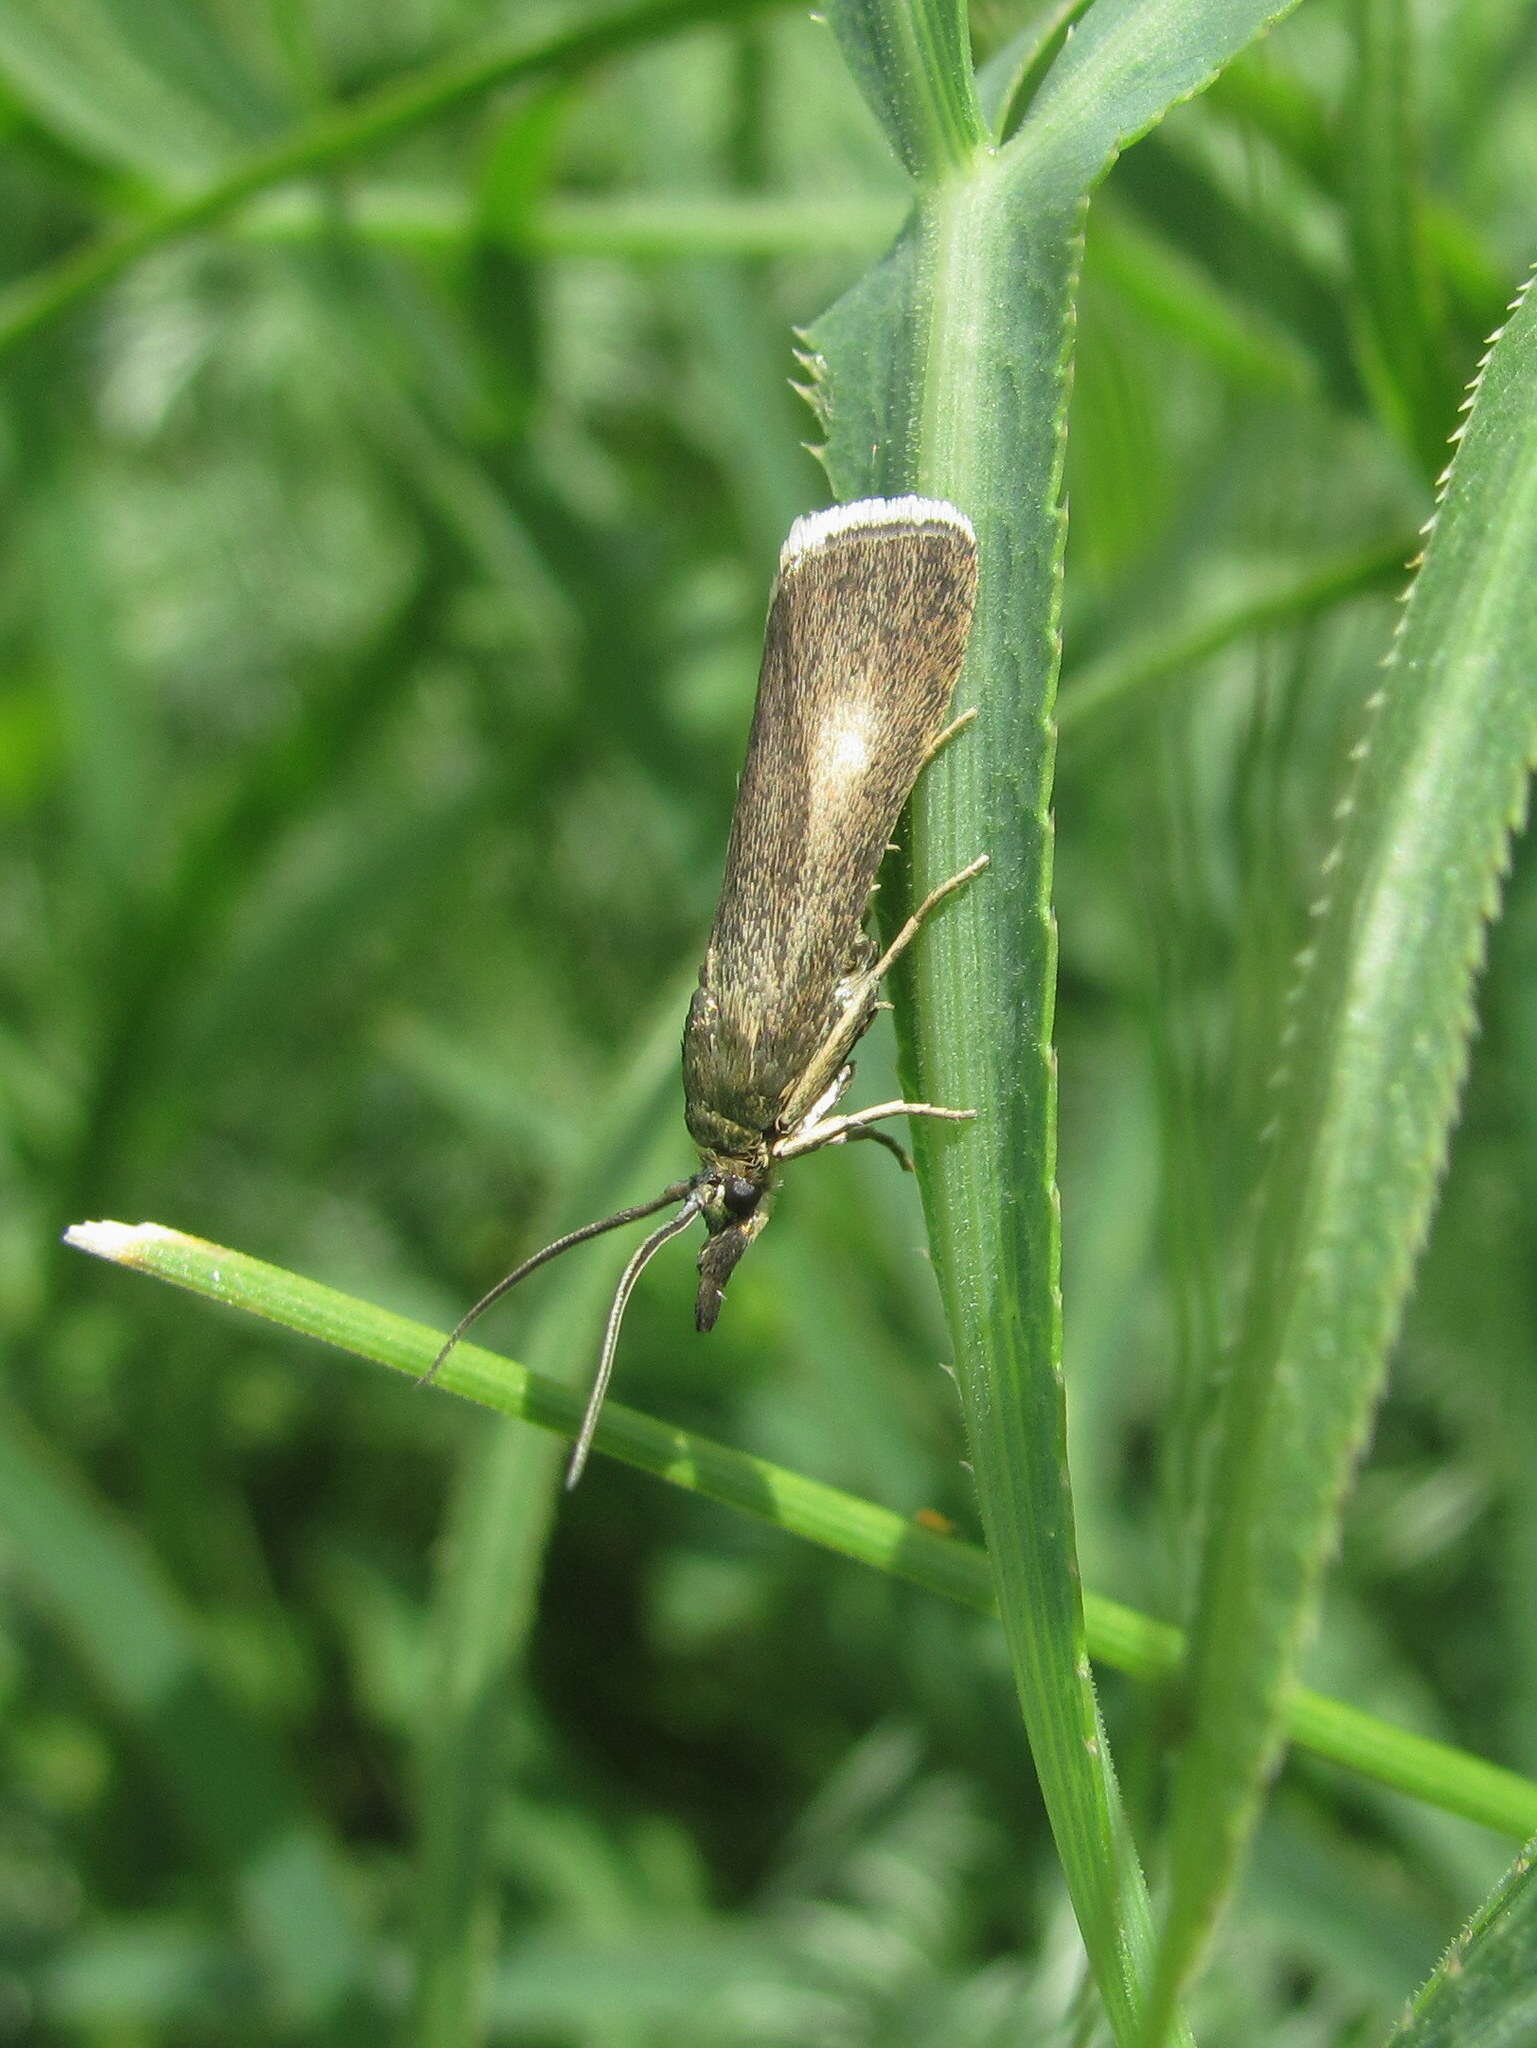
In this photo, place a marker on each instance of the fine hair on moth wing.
(866, 634)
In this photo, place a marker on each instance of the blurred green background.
(384, 573)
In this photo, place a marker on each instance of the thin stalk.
(1423, 1769)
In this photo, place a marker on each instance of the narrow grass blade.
(490, 1563)
(1484, 1995)
(912, 61)
(164, 967)
(946, 370)
(1397, 319)
(394, 110)
(1097, 694)
(235, 1795)
(634, 227)
(1257, 258)
(1375, 1047)
(1181, 295)
(152, 87)
(105, 708)
(835, 1520)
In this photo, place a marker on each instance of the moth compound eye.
(739, 1197)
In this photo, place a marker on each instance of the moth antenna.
(550, 1251)
(639, 1260)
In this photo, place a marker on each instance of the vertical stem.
(984, 990)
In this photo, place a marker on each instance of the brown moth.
(867, 630)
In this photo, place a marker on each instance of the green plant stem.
(1118, 1636)
(384, 116)
(997, 1257)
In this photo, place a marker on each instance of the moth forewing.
(866, 634)
(867, 630)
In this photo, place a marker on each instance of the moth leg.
(936, 745)
(829, 1097)
(914, 924)
(812, 1137)
(858, 1010)
(899, 1153)
(943, 739)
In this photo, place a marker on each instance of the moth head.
(735, 1206)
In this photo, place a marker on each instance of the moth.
(867, 630)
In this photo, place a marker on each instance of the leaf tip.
(123, 1243)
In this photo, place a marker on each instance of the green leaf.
(165, 1011)
(1484, 1995)
(946, 371)
(394, 110)
(1008, 79)
(149, 85)
(1100, 694)
(236, 1796)
(820, 1514)
(492, 1559)
(1397, 319)
(1258, 258)
(1374, 1052)
(1168, 286)
(104, 706)
(912, 61)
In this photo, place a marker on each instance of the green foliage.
(1370, 1066)
(1484, 1994)
(396, 440)
(969, 319)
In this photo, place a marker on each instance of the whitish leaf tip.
(120, 1242)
